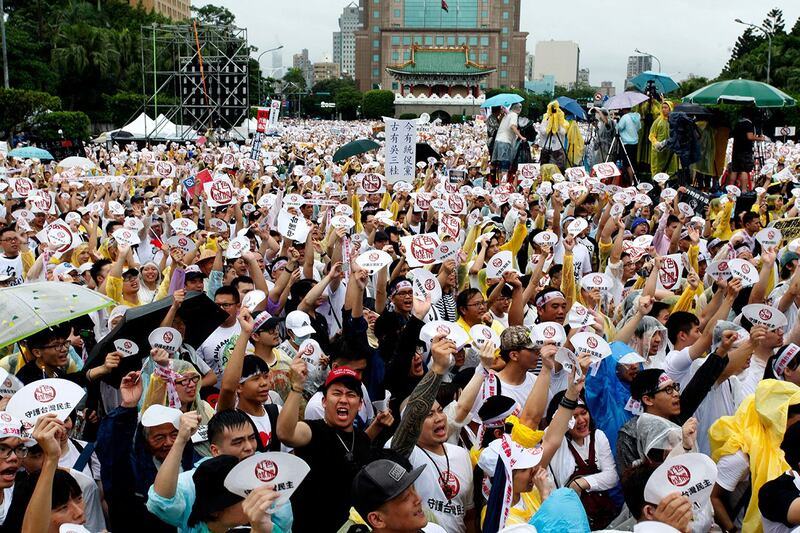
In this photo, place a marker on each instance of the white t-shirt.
(331, 309)
(504, 133)
(68, 460)
(732, 469)
(7, 495)
(315, 411)
(265, 429)
(449, 514)
(563, 463)
(753, 375)
(12, 267)
(216, 350)
(581, 260)
(678, 366)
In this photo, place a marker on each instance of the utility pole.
(763, 30)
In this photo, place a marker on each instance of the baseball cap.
(346, 376)
(130, 272)
(299, 323)
(11, 427)
(210, 492)
(637, 221)
(265, 321)
(516, 338)
(65, 268)
(379, 482)
(787, 257)
(194, 274)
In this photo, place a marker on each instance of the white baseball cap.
(299, 323)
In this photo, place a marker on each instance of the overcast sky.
(688, 36)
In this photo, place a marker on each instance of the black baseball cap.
(211, 494)
(379, 482)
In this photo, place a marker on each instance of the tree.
(348, 99)
(774, 21)
(21, 106)
(295, 75)
(377, 103)
(71, 124)
(214, 15)
(690, 85)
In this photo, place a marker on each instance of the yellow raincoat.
(757, 429)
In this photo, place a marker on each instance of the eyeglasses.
(225, 306)
(58, 346)
(188, 379)
(10, 239)
(675, 388)
(20, 451)
(478, 304)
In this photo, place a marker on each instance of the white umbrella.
(626, 100)
(77, 161)
(31, 307)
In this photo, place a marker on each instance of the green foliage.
(295, 75)
(526, 104)
(123, 106)
(214, 15)
(690, 85)
(377, 103)
(20, 106)
(74, 125)
(580, 93)
(348, 100)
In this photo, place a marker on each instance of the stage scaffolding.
(196, 76)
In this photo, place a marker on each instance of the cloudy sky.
(688, 36)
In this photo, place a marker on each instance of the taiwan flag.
(444, 6)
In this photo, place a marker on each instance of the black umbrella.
(693, 110)
(201, 316)
(424, 151)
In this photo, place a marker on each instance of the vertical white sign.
(274, 113)
(400, 149)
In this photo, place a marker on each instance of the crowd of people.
(492, 343)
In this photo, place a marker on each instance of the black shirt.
(322, 502)
(741, 144)
(776, 496)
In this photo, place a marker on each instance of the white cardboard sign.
(42, 397)
(282, 470)
(373, 260)
(421, 249)
(126, 347)
(168, 339)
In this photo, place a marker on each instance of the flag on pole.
(444, 6)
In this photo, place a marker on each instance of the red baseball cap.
(346, 376)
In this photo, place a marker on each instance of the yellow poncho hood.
(554, 119)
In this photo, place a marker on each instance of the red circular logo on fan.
(221, 192)
(371, 183)
(44, 393)
(678, 475)
(549, 332)
(591, 342)
(5, 417)
(765, 314)
(422, 248)
(444, 330)
(373, 256)
(429, 284)
(496, 262)
(597, 280)
(266, 470)
(746, 268)
(168, 336)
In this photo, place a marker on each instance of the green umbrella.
(356, 147)
(741, 91)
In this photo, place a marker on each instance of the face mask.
(300, 340)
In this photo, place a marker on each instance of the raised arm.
(309, 301)
(233, 370)
(291, 432)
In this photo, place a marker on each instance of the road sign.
(327, 105)
(784, 131)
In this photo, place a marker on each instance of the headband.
(541, 301)
(401, 285)
(780, 364)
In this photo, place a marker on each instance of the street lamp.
(767, 33)
(649, 55)
(259, 68)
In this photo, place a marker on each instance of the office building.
(607, 88)
(302, 62)
(344, 40)
(277, 71)
(544, 86)
(530, 60)
(561, 59)
(174, 9)
(486, 34)
(326, 70)
(637, 65)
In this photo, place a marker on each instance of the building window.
(504, 59)
(406, 55)
(376, 2)
(376, 58)
(395, 86)
(451, 41)
(462, 40)
(376, 43)
(504, 45)
(395, 40)
(439, 41)
(484, 57)
(376, 14)
(473, 41)
(505, 2)
(376, 29)
(505, 30)
(376, 72)
(484, 41)
(395, 56)
(505, 15)
(428, 40)
(472, 56)
(417, 39)
(407, 40)
(503, 73)
(485, 14)
(397, 13)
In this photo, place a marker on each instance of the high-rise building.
(607, 88)
(583, 77)
(560, 59)
(487, 34)
(277, 70)
(344, 40)
(637, 65)
(530, 61)
(302, 62)
(326, 70)
(174, 9)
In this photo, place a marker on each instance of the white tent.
(141, 126)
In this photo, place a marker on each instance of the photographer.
(605, 129)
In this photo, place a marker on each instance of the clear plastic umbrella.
(626, 100)
(77, 161)
(31, 307)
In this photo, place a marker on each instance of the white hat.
(299, 323)
(521, 458)
(65, 268)
(85, 267)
